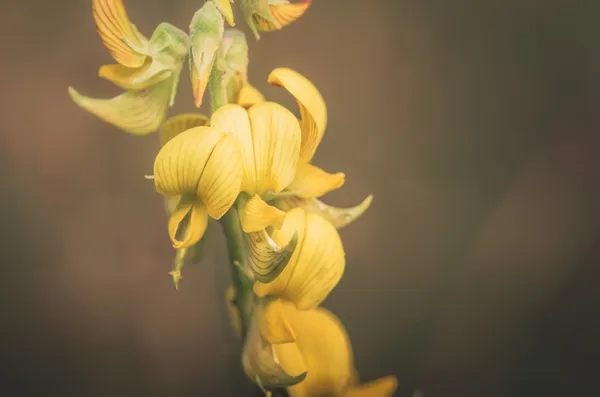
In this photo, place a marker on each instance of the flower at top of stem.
(203, 166)
(147, 69)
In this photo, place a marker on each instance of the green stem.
(236, 246)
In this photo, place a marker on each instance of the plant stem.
(236, 248)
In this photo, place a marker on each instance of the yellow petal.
(256, 215)
(338, 217)
(202, 161)
(312, 108)
(188, 223)
(249, 96)
(290, 358)
(274, 326)
(276, 143)
(135, 78)
(138, 112)
(326, 349)
(316, 266)
(284, 14)
(221, 179)
(233, 119)
(311, 181)
(176, 125)
(383, 387)
(113, 25)
(225, 9)
(200, 81)
(268, 259)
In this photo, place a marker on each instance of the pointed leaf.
(338, 217)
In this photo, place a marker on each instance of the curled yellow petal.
(316, 266)
(274, 326)
(177, 124)
(311, 181)
(256, 215)
(382, 387)
(188, 222)
(135, 78)
(249, 96)
(268, 259)
(338, 217)
(204, 162)
(284, 14)
(138, 112)
(276, 143)
(233, 119)
(117, 32)
(313, 111)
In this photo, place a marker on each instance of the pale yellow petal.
(138, 112)
(268, 259)
(382, 387)
(233, 119)
(313, 111)
(274, 326)
(256, 215)
(221, 179)
(135, 78)
(316, 266)
(113, 27)
(177, 124)
(249, 96)
(180, 162)
(188, 223)
(311, 181)
(290, 358)
(276, 142)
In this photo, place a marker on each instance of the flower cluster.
(251, 162)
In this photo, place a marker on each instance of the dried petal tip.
(284, 12)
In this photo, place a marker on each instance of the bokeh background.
(475, 273)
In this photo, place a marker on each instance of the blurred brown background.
(475, 273)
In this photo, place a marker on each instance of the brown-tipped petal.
(199, 83)
(338, 217)
(115, 29)
(177, 124)
(249, 96)
(267, 259)
(256, 214)
(274, 326)
(284, 14)
(137, 112)
(188, 223)
(311, 181)
(313, 111)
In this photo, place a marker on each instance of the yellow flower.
(310, 182)
(202, 165)
(316, 265)
(147, 69)
(269, 15)
(325, 352)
